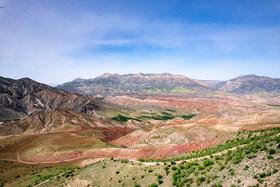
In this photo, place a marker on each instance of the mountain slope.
(58, 119)
(250, 84)
(23, 97)
(108, 84)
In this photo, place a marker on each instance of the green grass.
(121, 118)
(153, 91)
(187, 117)
(161, 116)
(179, 90)
(174, 90)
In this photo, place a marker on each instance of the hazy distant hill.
(211, 83)
(250, 84)
(108, 84)
(24, 97)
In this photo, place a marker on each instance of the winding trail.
(47, 162)
(132, 160)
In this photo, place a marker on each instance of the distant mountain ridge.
(211, 83)
(108, 84)
(25, 97)
(250, 84)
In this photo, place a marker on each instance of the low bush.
(269, 157)
(271, 151)
(160, 181)
(153, 185)
(207, 162)
(262, 175)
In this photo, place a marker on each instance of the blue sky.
(57, 41)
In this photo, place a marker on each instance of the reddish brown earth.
(215, 116)
(148, 152)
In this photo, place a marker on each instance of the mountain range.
(25, 97)
(111, 84)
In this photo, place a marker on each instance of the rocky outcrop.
(25, 97)
(58, 119)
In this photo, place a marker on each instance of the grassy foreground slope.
(253, 163)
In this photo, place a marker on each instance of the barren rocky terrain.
(135, 132)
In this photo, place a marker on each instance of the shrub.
(200, 179)
(275, 171)
(124, 161)
(209, 168)
(217, 184)
(150, 170)
(173, 163)
(231, 171)
(221, 167)
(136, 185)
(262, 175)
(269, 157)
(153, 185)
(200, 168)
(174, 167)
(207, 162)
(271, 151)
(238, 158)
(117, 172)
(246, 167)
(159, 176)
(218, 157)
(160, 181)
(257, 146)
